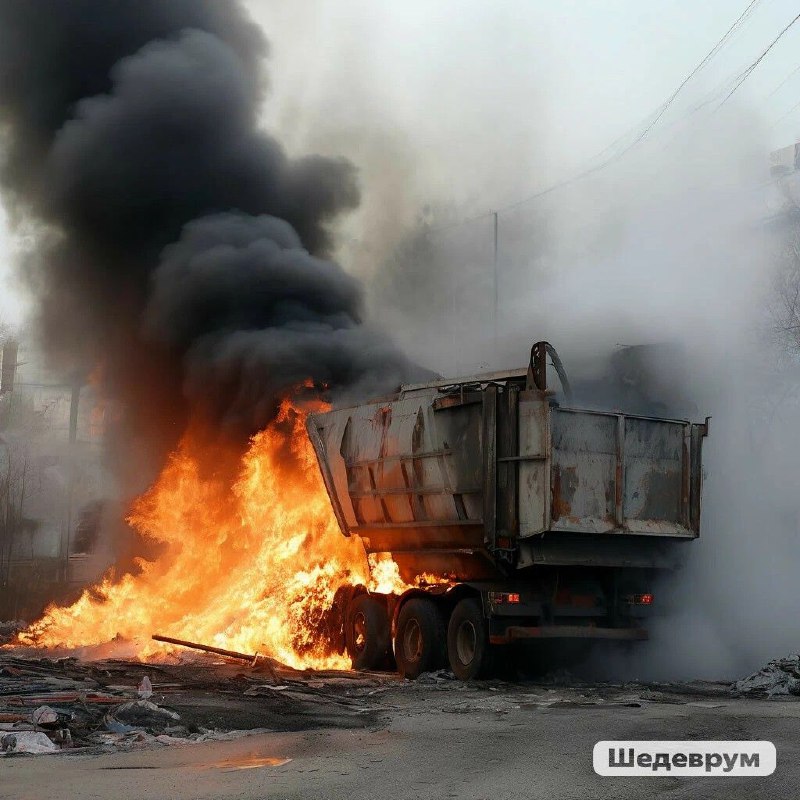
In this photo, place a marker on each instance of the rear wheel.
(419, 644)
(468, 647)
(367, 632)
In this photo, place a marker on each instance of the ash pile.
(781, 677)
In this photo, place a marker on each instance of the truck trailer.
(512, 514)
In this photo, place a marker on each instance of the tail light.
(640, 599)
(503, 597)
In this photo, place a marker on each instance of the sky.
(605, 62)
(479, 104)
(578, 74)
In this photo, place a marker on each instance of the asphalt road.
(442, 739)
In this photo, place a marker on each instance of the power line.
(790, 111)
(744, 76)
(458, 223)
(650, 122)
(656, 115)
(783, 82)
(742, 17)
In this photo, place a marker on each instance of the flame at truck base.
(253, 567)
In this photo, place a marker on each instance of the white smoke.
(670, 244)
(667, 243)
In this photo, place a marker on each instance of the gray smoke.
(175, 238)
(673, 244)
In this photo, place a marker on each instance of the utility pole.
(75, 396)
(496, 293)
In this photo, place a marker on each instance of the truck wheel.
(420, 638)
(367, 632)
(468, 647)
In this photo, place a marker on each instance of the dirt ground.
(351, 736)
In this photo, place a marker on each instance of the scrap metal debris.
(112, 705)
(55, 705)
(780, 677)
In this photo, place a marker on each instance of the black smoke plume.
(178, 248)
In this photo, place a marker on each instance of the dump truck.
(511, 513)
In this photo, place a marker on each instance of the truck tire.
(366, 632)
(419, 644)
(468, 648)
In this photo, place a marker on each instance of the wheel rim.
(359, 631)
(466, 642)
(412, 641)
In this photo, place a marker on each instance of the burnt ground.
(357, 735)
(103, 707)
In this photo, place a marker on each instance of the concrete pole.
(496, 289)
(66, 533)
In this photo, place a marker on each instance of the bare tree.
(785, 309)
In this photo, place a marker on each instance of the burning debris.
(10, 628)
(231, 568)
(180, 257)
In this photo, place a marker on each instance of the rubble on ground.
(116, 705)
(55, 705)
(10, 628)
(780, 677)
(31, 742)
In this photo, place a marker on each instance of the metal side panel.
(316, 427)
(587, 550)
(657, 471)
(534, 464)
(585, 471)
(404, 476)
(623, 474)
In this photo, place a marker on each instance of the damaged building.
(52, 486)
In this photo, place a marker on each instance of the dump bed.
(489, 475)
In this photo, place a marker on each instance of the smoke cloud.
(175, 240)
(184, 251)
(673, 244)
(257, 315)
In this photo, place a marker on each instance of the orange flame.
(252, 567)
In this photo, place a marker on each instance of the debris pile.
(53, 705)
(780, 677)
(10, 628)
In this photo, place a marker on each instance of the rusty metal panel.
(616, 473)
(401, 466)
(316, 432)
(584, 471)
(534, 464)
(655, 497)
(508, 464)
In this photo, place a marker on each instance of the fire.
(252, 567)
(385, 575)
